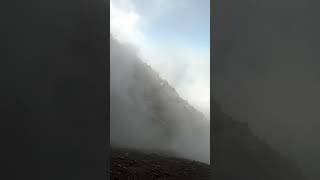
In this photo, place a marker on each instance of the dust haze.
(266, 72)
(147, 114)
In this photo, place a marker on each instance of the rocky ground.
(128, 164)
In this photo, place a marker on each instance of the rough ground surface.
(128, 164)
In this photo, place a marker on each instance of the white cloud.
(124, 22)
(186, 69)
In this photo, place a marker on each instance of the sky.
(173, 37)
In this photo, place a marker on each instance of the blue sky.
(182, 21)
(173, 37)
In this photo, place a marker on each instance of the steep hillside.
(148, 114)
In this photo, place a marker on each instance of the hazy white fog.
(179, 52)
(147, 114)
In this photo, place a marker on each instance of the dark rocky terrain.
(130, 164)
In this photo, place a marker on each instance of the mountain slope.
(148, 114)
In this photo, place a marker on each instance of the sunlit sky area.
(173, 37)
